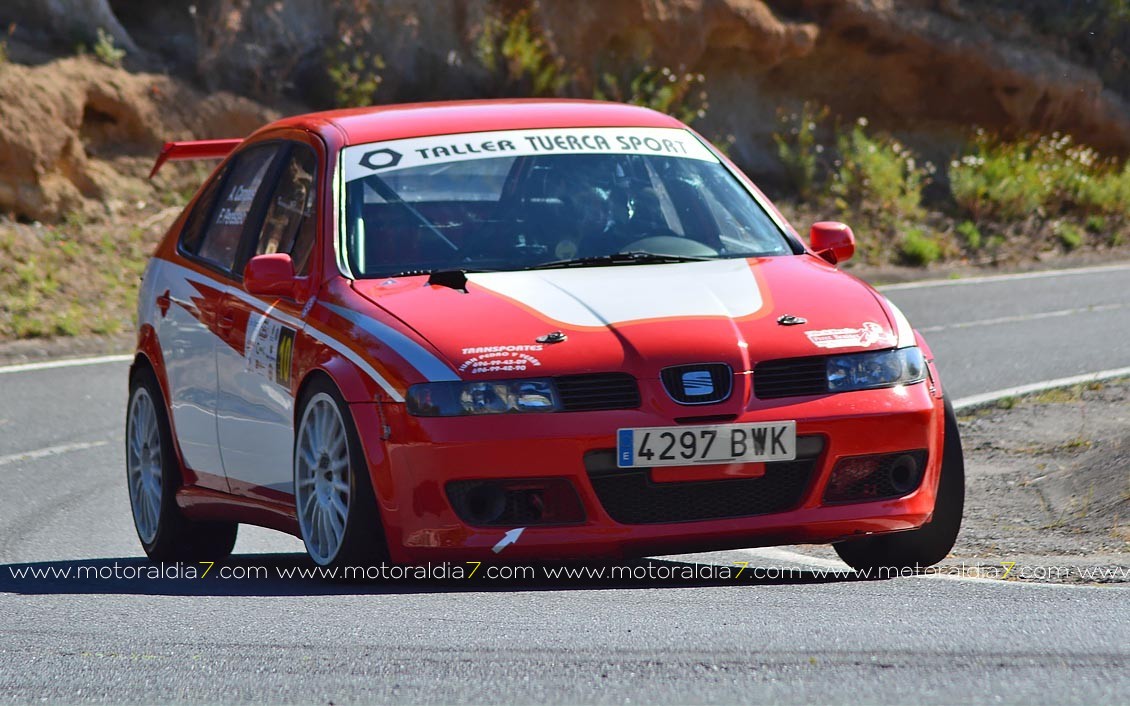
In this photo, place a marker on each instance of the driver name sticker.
(365, 160)
(867, 335)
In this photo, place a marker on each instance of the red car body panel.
(410, 459)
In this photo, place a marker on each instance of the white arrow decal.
(509, 538)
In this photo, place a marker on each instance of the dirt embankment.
(78, 137)
(1049, 475)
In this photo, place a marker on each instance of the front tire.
(336, 508)
(153, 477)
(930, 543)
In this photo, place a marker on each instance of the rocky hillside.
(927, 70)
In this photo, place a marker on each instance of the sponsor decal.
(269, 349)
(502, 349)
(364, 160)
(285, 357)
(867, 335)
(500, 359)
(381, 159)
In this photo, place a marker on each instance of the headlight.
(455, 399)
(866, 371)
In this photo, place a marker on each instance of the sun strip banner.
(365, 160)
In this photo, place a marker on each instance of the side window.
(193, 231)
(220, 243)
(290, 224)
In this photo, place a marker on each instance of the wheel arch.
(363, 404)
(366, 419)
(148, 355)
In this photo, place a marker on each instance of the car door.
(194, 325)
(256, 402)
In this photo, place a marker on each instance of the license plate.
(714, 444)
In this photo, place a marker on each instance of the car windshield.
(522, 199)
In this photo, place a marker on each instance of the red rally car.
(535, 330)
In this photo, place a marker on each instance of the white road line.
(778, 554)
(65, 363)
(1018, 318)
(925, 284)
(50, 451)
(990, 397)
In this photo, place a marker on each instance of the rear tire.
(153, 478)
(334, 500)
(930, 543)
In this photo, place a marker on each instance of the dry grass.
(78, 277)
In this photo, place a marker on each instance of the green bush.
(106, 52)
(1070, 235)
(1095, 224)
(677, 93)
(971, 234)
(799, 148)
(522, 61)
(877, 175)
(522, 55)
(919, 249)
(355, 74)
(1105, 190)
(1046, 175)
(999, 180)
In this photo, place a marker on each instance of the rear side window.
(290, 223)
(220, 241)
(194, 227)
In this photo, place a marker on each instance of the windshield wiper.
(634, 257)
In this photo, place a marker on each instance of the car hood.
(639, 318)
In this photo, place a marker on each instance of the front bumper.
(423, 455)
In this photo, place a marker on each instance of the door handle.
(225, 322)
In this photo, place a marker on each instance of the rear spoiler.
(194, 149)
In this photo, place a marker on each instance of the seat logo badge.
(790, 320)
(381, 159)
(697, 383)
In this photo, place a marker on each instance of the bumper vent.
(589, 393)
(790, 378)
(704, 383)
(862, 478)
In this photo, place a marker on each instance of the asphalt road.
(801, 638)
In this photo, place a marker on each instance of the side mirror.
(269, 275)
(832, 241)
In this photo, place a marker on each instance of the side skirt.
(213, 505)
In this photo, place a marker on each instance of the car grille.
(630, 497)
(792, 377)
(588, 393)
(714, 381)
